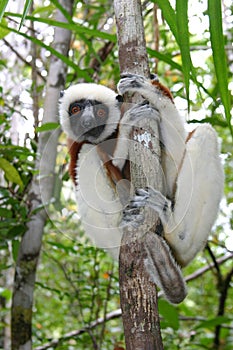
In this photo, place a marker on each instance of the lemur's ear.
(119, 98)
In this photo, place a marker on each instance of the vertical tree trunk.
(40, 194)
(138, 293)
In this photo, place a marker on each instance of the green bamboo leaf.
(183, 40)
(47, 127)
(63, 10)
(3, 4)
(75, 27)
(11, 172)
(219, 55)
(169, 15)
(164, 58)
(43, 10)
(25, 12)
(4, 32)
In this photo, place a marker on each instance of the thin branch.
(102, 54)
(22, 58)
(204, 269)
(221, 308)
(201, 319)
(219, 274)
(110, 316)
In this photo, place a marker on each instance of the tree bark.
(40, 195)
(138, 293)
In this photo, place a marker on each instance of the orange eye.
(75, 109)
(101, 113)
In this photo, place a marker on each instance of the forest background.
(44, 47)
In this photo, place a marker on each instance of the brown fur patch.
(163, 89)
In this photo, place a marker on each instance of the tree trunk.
(138, 293)
(40, 195)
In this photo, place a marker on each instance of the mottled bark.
(138, 293)
(40, 194)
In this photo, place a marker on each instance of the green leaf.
(169, 15)
(4, 32)
(6, 293)
(15, 249)
(17, 151)
(210, 324)
(5, 213)
(47, 127)
(170, 314)
(219, 55)
(3, 4)
(183, 40)
(164, 58)
(11, 172)
(63, 10)
(178, 24)
(16, 231)
(75, 27)
(60, 246)
(25, 12)
(45, 10)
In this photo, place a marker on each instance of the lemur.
(98, 139)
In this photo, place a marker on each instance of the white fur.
(199, 191)
(91, 92)
(98, 202)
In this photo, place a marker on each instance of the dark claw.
(126, 75)
(132, 216)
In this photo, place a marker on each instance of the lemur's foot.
(139, 112)
(130, 82)
(151, 89)
(154, 199)
(132, 217)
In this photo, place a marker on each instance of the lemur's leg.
(198, 193)
(159, 263)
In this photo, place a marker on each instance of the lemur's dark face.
(88, 119)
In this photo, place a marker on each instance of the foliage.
(77, 283)
(17, 164)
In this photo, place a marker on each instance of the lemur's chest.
(98, 202)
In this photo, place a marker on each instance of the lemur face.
(89, 112)
(88, 119)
